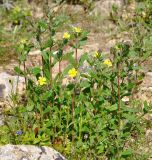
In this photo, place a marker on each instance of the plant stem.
(59, 68)
(41, 115)
(25, 76)
(112, 92)
(49, 26)
(76, 55)
(67, 125)
(42, 57)
(119, 98)
(119, 111)
(18, 79)
(112, 88)
(38, 37)
(60, 105)
(80, 124)
(50, 67)
(73, 107)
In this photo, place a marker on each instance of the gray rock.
(2, 87)
(28, 152)
(1, 120)
(9, 84)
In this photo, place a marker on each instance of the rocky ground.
(28, 152)
(101, 37)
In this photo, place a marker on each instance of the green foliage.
(87, 117)
(14, 24)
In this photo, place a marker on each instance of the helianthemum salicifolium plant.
(86, 118)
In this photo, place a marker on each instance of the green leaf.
(67, 55)
(38, 106)
(23, 57)
(47, 44)
(146, 107)
(36, 141)
(84, 35)
(113, 107)
(128, 109)
(47, 72)
(22, 109)
(85, 129)
(42, 25)
(72, 61)
(77, 111)
(66, 70)
(100, 149)
(131, 118)
(55, 61)
(71, 86)
(46, 95)
(126, 153)
(18, 71)
(82, 42)
(84, 84)
(47, 110)
(35, 71)
(48, 124)
(83, 58)
(45, 56)
(30, 107)
(89, 105)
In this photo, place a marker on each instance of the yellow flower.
(42, 81)
(96, 54)
(108, 63)
(17, 9)
(66, 35)
(72, 72)
(77, 29)
(23, 41)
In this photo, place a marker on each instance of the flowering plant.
(87, 117)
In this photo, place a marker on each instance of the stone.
(147, 80)
(2, 87)
(104, 7)
(9, 84)
(145, 89)
(28, 152)
(1, 120)
(1, 116)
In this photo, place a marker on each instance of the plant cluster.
(88, 117)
